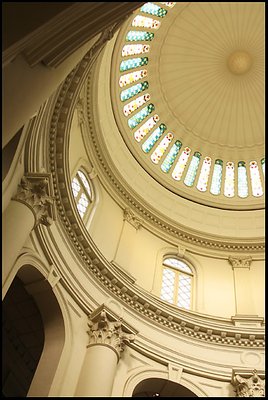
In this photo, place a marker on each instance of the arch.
(145, 373)
(154, 387)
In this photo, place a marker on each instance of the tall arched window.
(177, 282)
(82, 192)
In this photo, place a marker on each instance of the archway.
(156, 387)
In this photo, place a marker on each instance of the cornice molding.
(195, 327)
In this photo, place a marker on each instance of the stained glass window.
(263, 166)
(242, 179)
(161, 148)
(133, 49)
(82, 192)
(169, 4)
(135, 104)
(133, 90)
(204, 174)
(192, 170)
(140, 116)
(133, 63)
(170, 158)
(179, 168)
(145, 22)
(154, 137)
(215, 187)
(256, 185)
(146, 127)
(137, 36)
(229, 189)
(177, 283)
(132, 77)
(153, 9)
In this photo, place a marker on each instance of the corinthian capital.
(36, 193)
(132, 219)
(240, 262)
(110, 333)
(248, 384)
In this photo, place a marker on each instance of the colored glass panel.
(154, 137)
(133, 90)
(215, 187)
(135, 104)
(204, 175)
(137, 36)
(192, 170)
(133, 49)
(133, 63)
(242, 179)
(179, 168)
(169, 4)
(132, 77)
(145, 22)
(170, 158)
(229, 180)
(140, 116)
(153, 9)
(146, 127)
(256, 184)
(161, 148)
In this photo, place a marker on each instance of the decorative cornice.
(248, 386)
(240, 262)
(35, 192)
(130, 217)
(222, 333)
(104, 331)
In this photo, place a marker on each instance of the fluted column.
(107, 340)
(248, 383)
(242, 283)
(30, 206)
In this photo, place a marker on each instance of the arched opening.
(156, 387)
(33, 335)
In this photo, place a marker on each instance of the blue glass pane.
(192, 170)
(157, 133)
(133, 63)
(133, 90)
(153, 9)
(170, 158)
(137, 118)
(136, 36)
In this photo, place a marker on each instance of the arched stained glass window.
(202, 183)
(133, 49)
(242, 179)
(133, 63)
(137, 36)
(82, 192)
(145, 22)
(215, 187)
(146, 127)
(132, 77)
(177, 283)
(256, 185)
(192, 170)
(161, 148)
(179, 168)
(135, 104)
(229, 187)
(263, 166)
(133, 90)
(140, 116)
(170, 158)
(154, 137)
(153, 9)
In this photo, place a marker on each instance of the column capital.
(35, 191)
(248, 383)
(105, 330)
(240, 262)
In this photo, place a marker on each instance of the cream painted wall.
(77, 153)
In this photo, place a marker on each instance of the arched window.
(177, 282)
(82, 192)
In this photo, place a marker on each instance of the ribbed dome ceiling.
(213, 80)
(193, 74)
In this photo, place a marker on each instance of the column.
(242, 283)
(248, 383)
(107, 340)
(31, 205)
